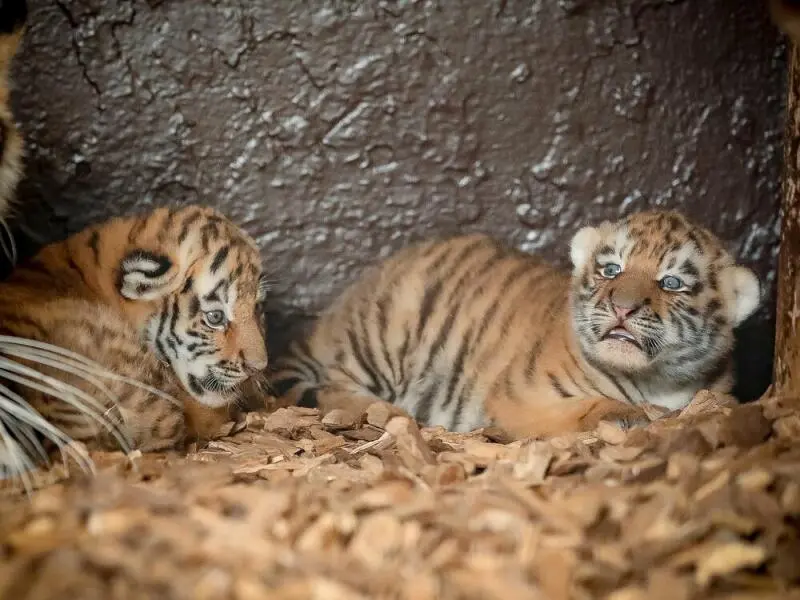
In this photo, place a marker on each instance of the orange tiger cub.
(465, 333)
(170, 299)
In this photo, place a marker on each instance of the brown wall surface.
(336, 132)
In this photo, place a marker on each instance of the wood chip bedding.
(290, 506)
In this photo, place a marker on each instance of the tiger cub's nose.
(622, 312)
(255, 365)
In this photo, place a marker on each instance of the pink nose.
(623, 311)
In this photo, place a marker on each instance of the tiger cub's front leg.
(541, 419)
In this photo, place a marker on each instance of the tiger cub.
(170, 298)
(465, 333)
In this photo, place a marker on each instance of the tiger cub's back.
(433, 329)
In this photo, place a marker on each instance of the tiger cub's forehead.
(661, 241)
(229, 270)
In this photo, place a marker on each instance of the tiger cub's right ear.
(582, 246)
(145, 275)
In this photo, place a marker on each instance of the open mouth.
(622, 335)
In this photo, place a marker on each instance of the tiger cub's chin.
(466, 332)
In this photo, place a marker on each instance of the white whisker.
(66, 367)
(14, 405)
(68, 394)
(7, 242)
(7, 342)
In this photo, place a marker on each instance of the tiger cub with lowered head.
(465, 333)
(170, 299)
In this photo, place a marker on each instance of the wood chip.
(727, 559)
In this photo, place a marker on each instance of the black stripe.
(162, 320)
(11, 326)
(638, 389)
(214, 294)
(173, 322)
(76, 268)
(617, 385)
(137, 227)
(466, 394)
(438, 343)
(401, 357)
(556, 384)
(386, 387)
(163, 262)
(166, 226)
(194, 385)
(589, 386)
(382, 308)
(194, 307)
(573, 381)
(219, 258)
(94, 245)
(425, 403)
(187, 224)
(426, 306)
(356, 348)
(457, 369)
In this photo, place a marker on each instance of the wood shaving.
(698, 505)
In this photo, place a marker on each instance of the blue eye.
(215, 319)
(610, 270)
(671, 283)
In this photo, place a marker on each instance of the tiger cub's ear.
(146, 275)
(742, 292)
(582, 246)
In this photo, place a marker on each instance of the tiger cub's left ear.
(742, 291)
(583, 244)
(146, 275)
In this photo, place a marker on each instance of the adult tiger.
(465, 332)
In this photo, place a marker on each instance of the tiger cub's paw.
(204, 423)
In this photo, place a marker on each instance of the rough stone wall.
(336, 132)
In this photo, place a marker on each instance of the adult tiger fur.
(170, 299)
(465, 332)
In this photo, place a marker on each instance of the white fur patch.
(582, 246)
(743, 291)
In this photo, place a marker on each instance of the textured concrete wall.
(336, 132)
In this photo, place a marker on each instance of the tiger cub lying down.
(466, 333)
(169, 299)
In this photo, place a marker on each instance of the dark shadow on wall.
(753, 357)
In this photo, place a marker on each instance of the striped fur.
(465, 332)
(170, 298)
(13, 16)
